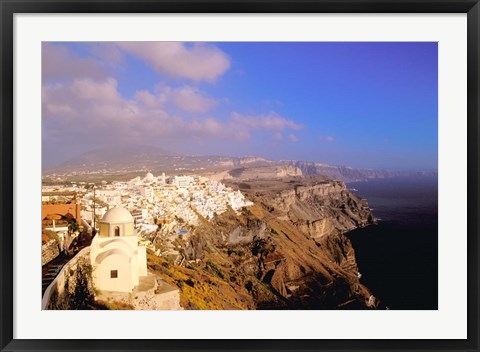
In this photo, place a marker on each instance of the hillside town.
(142, 213)
(174, 204)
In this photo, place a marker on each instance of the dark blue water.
(398, 258)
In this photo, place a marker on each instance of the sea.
(398, 257)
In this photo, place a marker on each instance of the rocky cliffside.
(320, 208)
(350, 174)
(287, 251)
(264, 172)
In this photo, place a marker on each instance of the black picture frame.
(10, 7)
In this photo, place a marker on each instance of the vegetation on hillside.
(78, 290)
(261, 258)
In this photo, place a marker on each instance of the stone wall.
(50, 251)
(151, 294)
(58, 284)
(168, 300)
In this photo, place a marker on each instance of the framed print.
(275, 176)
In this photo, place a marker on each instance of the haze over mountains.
(131, 158)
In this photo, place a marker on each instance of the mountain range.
(135, 158)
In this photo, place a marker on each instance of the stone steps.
(50, 274)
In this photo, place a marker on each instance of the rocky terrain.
(134, 158)
(270, 172)
(316, 205)
(131, 160)
(287, 251)
(350, 174)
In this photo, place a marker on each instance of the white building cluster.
(151, 200)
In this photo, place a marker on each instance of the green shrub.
(215, 269)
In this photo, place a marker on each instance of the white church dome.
(116, 215)
(149, 176)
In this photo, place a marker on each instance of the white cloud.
(107, 52)
(277, 136)
(95, 111)
(327, 138)
(147, 98)
(208, 126)
(61, 64)
(192, 100)
(81, 102)
(88, 89)
(197, 62)
(271, 121)
(185, 98)
(292, 138)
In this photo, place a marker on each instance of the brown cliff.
(287, 251)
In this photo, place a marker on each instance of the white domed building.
(149, 178)
(117, 259)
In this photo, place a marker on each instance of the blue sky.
(370, 105)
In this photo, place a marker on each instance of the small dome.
(117, 214)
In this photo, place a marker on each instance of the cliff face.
(321, 266)
(264, 172)
(321, 208)
(287, 251)
(350, 174)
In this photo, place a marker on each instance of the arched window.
(117, 231)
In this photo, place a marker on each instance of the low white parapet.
(59, 281)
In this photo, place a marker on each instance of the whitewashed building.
(183, 181)
(117, 259)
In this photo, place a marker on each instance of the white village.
(111, 225)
